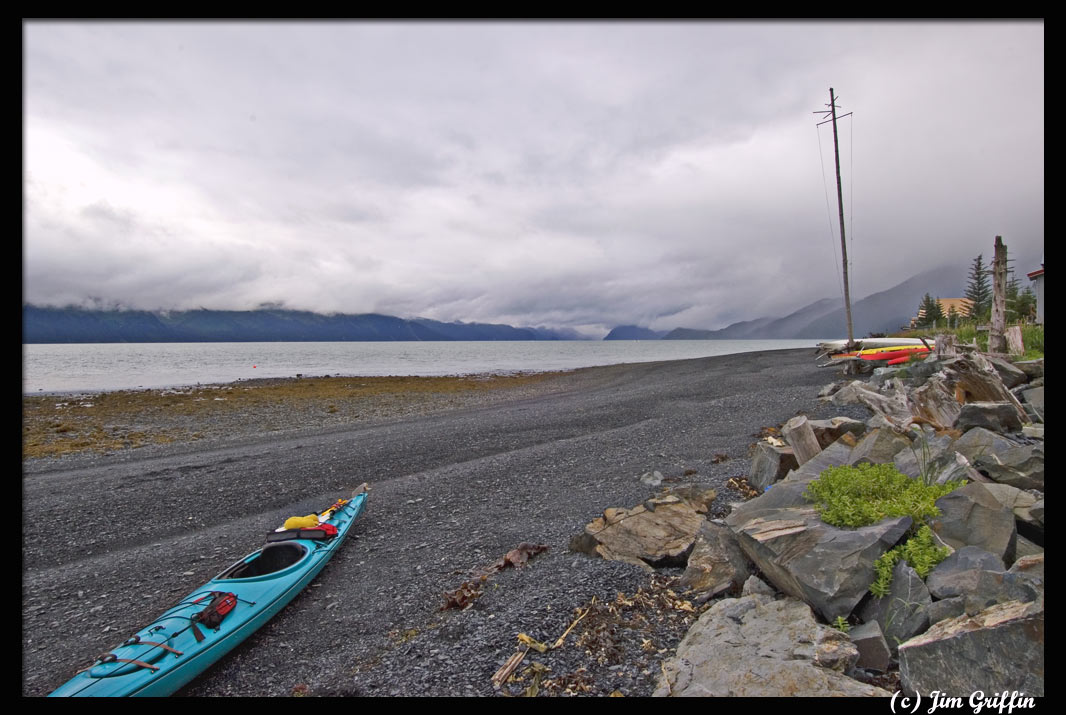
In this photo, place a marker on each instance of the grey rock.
(770, 464)
(946, 608)
(999, 649)
(1021, 466)
(904, 611)
(1003, 460)
(1030, 570)
(831, 389)
(1036, 511)
(979, 578)
(1033, 369)
(757, 646)
(1033, 431)
(832, 456)
(874, 653)
(928, 453)
(828, 567)
(956, 469)
(829, 431)
(755, 585)
(716, 564)
(1026, 547)
(996, 416)
(651, 479)
(972, 516)
(1035, 398)
(878, 447)
(963, 559)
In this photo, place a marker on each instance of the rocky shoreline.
(456, 487)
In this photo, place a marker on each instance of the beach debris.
(536, 645)
(505, 672)
(518, 556)
(741, 485)
(719, 458)
(464, 596)
(469, 591)
(562, 639)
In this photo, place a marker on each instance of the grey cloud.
(547, 173)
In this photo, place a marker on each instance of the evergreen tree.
(1013, 290)
(930, 311)
(1025, 306)
(979, 289)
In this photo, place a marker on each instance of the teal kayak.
(212, 620)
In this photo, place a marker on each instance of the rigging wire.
(829, 213)
(851, 193)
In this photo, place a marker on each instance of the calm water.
(119, 366)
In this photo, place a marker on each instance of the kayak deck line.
(182, 642)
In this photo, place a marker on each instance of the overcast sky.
(561, 174)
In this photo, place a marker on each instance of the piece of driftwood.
(800, 435)
(1014, 340)
(945, 346)
(508, 668)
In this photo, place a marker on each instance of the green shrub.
(920, 552)
(864, 494)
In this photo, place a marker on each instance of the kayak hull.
(167, 654)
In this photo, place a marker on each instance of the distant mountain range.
(882, 312)
(80, 325)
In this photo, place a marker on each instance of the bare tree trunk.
(997, 342)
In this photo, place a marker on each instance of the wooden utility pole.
(840, 205)
(997, 341)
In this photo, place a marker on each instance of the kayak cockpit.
(271, 559)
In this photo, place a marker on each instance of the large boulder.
(834, 455)
(659, 532)
(828, 567)
(979, 578)
(755, 646)
(995, 416)
(1000, 649)
(1003, 460)
(1033, 369)
(972, 516)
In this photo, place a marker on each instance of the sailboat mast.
(840, 205)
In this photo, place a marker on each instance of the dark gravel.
(110, 541)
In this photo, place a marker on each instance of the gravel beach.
(110, 540)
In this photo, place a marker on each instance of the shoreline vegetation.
(968, 333)
(55, 424)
